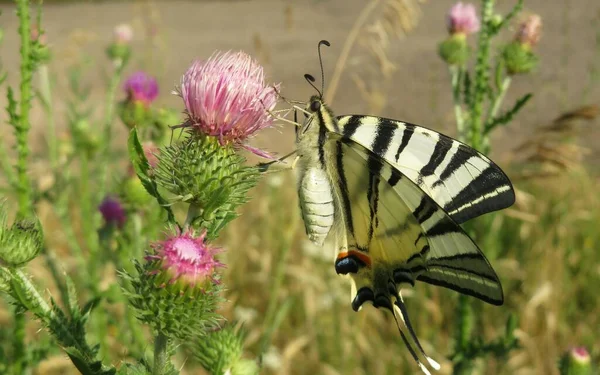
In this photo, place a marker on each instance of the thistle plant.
(169, 282)
(176, 290)
(478, 98)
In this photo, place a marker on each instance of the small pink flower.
(530, 30)
(123, 34)
(112, 211)
(226, 97)
(462, 19)
(186, 258)
(141, 87)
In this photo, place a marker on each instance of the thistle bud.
(518, 55)
(120, 49)
(221, 353)
(141, 90)
(113, 212)
(576, 362)
(461, 21)
(134, 194)
(177, 289)
(40, 50)
(21, 242)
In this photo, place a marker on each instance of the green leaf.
(498, 76)
(141, 167)
(508, 116)
(87, 367)
(72, 304)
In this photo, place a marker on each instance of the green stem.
(481, 74)
(496, 104)
(7, 168)
(193, 211)
(463, 336)
(22, 125)
(46, 92)
(499, 99)
(456, 74)
(109, 116)
(160, 354)
(19, 361)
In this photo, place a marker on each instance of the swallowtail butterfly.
(393, 195)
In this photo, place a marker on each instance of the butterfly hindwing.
(395, 233)
(461, 180)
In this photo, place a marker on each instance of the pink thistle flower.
(112, 211)
(530, 31)
(462, 19)
(186, 258)
(226, 97)
(141, 87)
(123, 34)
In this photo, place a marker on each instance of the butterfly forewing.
(461, 180)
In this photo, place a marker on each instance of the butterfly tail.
(404, 316)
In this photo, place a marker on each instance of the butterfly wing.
(461, 180)
(394, 233)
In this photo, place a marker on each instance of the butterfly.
(392, 195)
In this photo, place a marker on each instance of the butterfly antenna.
(404, 316)
(322, 42)
(410, 348)
(310, 79)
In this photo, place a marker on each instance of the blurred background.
(546, 248)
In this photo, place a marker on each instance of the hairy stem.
(22, 125)
(46, 93)
(455, 75)
(160, 354)
(109, 116)
(482, 74)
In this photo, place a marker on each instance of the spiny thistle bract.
(21, 242)
(221, 352)
(212, 177)
(177, 289)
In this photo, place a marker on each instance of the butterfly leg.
(264, 167)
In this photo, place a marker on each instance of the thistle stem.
(109, 115)
(22, 124)
(455, 74)
(160, 354)
(497, 103)
(46, 93)
(193, 211)
(481, 74)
